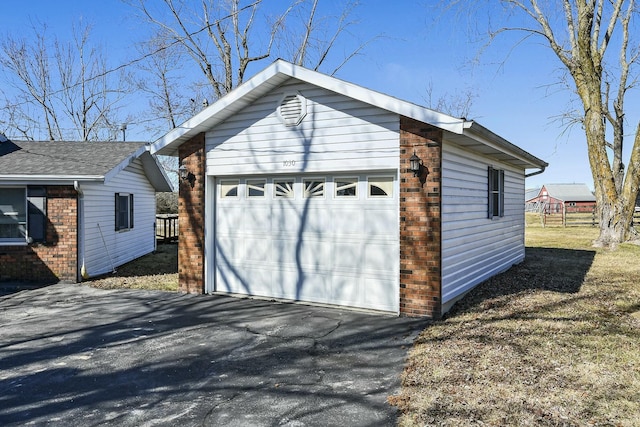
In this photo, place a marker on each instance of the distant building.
(555, 198)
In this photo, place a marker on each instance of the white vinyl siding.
(475, 247)
(99, 207)
(338, 133)
(305, 239)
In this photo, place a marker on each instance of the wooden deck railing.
(167, 228)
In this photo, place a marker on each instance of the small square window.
(313, 188)
(380, 186)
(283, 188)
(346, 187)
(255, 187)
(229, 188)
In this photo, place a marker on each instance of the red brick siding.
(420, 221)
(55, 260)
(191, 204)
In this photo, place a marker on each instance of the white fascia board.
(47, 179)
(275, 74)
(152, 169)
(377, 99)
(123, 164)
(155, 173)
(481, 134)
(216, 112)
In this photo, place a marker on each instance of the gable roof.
(461, 131)
(570, 192)
(62, 161)
(531, 193)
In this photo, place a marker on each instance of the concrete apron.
(75, 356)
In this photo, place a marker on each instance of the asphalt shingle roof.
(59, 158)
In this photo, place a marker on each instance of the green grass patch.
(554, 341)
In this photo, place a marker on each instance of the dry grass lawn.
(156, 271)
(555, 341)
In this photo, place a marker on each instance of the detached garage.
(303, 187)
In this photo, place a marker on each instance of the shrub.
(167, 203)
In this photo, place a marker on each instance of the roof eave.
(273, 76)
(479, 133)
(54, 179)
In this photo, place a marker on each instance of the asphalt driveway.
(76, 356)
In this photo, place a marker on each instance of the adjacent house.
(301, 186)
(558, 198)
(73, 210)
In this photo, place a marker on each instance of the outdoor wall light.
(415, 164)
(185, 175)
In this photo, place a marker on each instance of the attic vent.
(292, 109)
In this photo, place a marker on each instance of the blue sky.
(417, 46)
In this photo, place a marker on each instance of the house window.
(283, 188)
(346, 187)
(496, 193)
(124, 211)
(13, 215)
(23, 215)
(380, 186)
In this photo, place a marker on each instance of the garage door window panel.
(346, 187)
(380, 186)
(313, 188)
(284, 188)
(256, 188)
(229, 188)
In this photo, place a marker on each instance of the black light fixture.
(183, 172)
(185, 175)
(415, 164)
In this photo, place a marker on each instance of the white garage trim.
(324, 244)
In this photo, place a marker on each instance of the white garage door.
(324, 239)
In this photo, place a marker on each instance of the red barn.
(554, 198)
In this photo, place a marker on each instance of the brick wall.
(191, 217)
(420, 224)
(55, 260)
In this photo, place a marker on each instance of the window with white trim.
(229, 188)
(496, 193)
(124, 211)
(313, 188)
(23, 215)
(255, 187)
(380, 186)
(346, 187)
(283, 188)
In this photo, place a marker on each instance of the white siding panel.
(337, 134)
(105, 248)
(475, 247)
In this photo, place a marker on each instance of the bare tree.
(64, 87)
(593, 40)
(457, 104)
(162, 82)
(223, 37)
